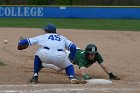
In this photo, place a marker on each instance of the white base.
(99, 81)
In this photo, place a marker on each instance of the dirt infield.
(120, 50)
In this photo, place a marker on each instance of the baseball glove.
(23, 46)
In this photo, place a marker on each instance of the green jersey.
(81, 60)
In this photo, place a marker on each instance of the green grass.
(91, 24)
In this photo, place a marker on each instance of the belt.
(49, 48)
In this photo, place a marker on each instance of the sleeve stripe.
(29, 41)
(69, 46)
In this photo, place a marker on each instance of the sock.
(35, 74)
(37, 65)
(70, 71)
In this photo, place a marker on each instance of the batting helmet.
(50, 28)
(91, 48)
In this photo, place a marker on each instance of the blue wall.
(68, 12)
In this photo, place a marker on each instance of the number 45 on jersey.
(54, 37)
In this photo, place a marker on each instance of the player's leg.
(50, 58)
(71, 74)
(41, 56)
(69, 68)
(60, 59)
(37, 68)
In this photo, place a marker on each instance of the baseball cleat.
(74, 81)
(82, 82)
(34, 80)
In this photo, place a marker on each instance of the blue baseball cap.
(50, 28)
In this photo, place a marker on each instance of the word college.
(21, 11)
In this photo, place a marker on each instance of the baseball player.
(51, 51)
(85, 58)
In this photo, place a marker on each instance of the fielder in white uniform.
(52, 51)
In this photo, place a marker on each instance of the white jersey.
(54, 53)
(51, 40)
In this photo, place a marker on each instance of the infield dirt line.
(42, 88)
(73, 90)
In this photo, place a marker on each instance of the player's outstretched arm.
(111, 75)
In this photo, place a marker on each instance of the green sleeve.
(99, 58)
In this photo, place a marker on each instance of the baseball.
(5, 41)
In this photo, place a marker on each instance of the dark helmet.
(91, 48)
(50, 28)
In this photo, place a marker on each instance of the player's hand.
(86, 77)
(113, 77)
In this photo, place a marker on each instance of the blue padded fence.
(68, 12)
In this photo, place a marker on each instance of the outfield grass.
(94, 24)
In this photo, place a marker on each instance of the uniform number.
(54, 37)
